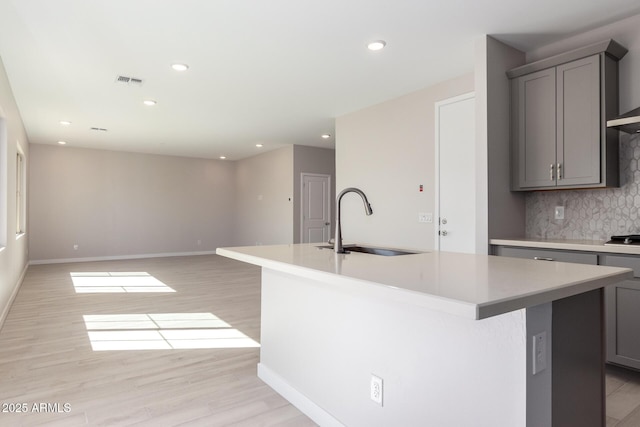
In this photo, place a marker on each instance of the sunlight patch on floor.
(117, 282)
(163, 331)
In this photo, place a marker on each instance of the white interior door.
(316, 208)
(455, 174)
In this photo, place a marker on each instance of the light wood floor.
(623, 397)
(46, 355)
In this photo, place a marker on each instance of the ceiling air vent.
(99, 129)
(129, 80)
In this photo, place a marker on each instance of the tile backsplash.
(591, 214)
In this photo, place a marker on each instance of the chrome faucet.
(337, 244)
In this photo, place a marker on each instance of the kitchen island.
(450, 335)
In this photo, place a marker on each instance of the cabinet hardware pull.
(542, 258)
(559, 171)
(551, 171)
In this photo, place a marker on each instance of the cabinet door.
(578, 117)
(623, 323)
(622, 311)
(536, 128)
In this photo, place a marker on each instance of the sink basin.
(371, 250)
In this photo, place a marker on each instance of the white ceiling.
(274, 72)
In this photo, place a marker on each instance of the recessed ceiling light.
(326, 136)
(65, 122)
(149, 102)
(223, 157)
(62, 142)
(259, 145)
(180, 67)
(376, 45)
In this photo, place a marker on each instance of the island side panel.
(579, 360)
(325, 341)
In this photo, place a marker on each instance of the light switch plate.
(539, 352)
(425, 217)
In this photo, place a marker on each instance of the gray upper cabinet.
(559, 108)
(578, 126)
(536, 126)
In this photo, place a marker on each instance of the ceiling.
(271, 72)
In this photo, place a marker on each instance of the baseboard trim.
(297, 399)
(118, 257)
(16, 288)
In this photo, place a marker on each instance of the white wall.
(387, 151)
(264, 203)
(340, 338)
(13, 251)
(115, 204)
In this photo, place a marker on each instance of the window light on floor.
(163, 331)
(117, 282)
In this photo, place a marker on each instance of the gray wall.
(596, 214)
(311, 160)
(117, 204)
(387, 151)
(264, 201)
(13, 250)
(506, 209)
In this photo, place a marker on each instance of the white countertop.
(473, 286)
(568, 245)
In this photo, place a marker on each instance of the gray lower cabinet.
(622, 300)
(622, 311)
(577, 339)
(547, 255)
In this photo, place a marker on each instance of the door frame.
(329, 199)
(437, 105)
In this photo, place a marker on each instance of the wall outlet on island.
(376, 389)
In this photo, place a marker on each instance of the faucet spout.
(337, 244)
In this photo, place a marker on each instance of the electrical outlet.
(559, 212)
(539, 352)
(376, 389)
(75, 247)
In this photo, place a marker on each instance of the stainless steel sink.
(371, 250)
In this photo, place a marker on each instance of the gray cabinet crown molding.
(609, 47)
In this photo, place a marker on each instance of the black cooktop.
(629, 239)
